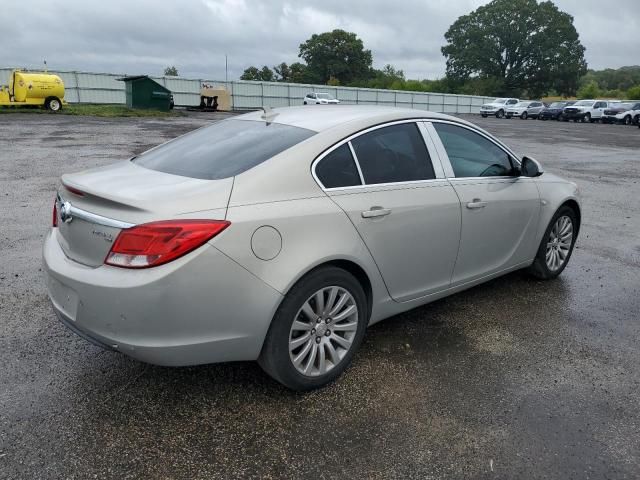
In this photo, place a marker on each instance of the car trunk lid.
(94, 206)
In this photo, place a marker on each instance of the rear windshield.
(222, 150)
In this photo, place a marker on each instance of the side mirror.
(530, 167)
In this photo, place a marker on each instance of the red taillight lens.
(153, 244)
(54, 222)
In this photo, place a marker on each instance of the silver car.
(279, 236)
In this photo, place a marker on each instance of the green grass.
(94, 111)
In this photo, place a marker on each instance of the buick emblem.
(65, 212)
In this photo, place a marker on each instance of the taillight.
(156, 243)
(54, 222)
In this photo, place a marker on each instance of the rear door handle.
(376, 212)
(476, 203)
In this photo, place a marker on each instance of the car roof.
(323, 118)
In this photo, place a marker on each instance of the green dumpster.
(143, 92)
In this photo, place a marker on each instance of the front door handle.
(476, 203)
(376, 212)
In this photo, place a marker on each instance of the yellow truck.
(25, 88)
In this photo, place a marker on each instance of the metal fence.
(84, 87)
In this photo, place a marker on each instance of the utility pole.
(226, 69)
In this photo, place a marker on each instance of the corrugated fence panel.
(87, 87)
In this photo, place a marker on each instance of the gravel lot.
(513, 379)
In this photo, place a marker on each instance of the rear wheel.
(316, 330)
(627, 120)
(556, 245)
(53, 104)
(587, 118)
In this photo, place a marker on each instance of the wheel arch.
(349, 266)
(573, 205)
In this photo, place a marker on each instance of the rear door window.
(396, 153)
(338, 169)
(222, 150)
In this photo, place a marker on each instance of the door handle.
(376, 212)
(476, 203)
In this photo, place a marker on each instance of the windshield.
(500, 100)
(522, 104)
(622, 106)
(222, 150)
(584, 103)
(325, 96)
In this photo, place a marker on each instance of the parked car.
(279, 236)
(587, 110)
(320, 99)
(498, 107)
(554, 110)
(625, 113)
(525, 110)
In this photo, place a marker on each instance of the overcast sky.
(144, 36)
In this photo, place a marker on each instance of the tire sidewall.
(275, 359)
(540, 267)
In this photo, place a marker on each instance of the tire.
(587, 118)
(483, 115)
(540, 268)
(636, 120)
(627, 120)
(500, 114)
(508, 115)
(53, 104)
(524, 115)
(304, 103)
(277, 356)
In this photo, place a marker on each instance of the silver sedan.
(279, 236)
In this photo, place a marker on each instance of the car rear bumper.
(201, 308)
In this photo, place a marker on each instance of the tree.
(634, 93)
(282, 72)
(590, 90)
(171, 71)
(337, 54)
(265, 74)
(531, 47)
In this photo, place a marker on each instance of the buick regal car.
(280, 236)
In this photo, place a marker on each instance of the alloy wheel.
(323, 331)
(559, 243)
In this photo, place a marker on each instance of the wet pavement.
(516, 378)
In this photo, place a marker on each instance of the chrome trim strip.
(441, 181)
(94, 217)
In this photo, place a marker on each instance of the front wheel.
(524, 115)
(484, 115)
(500, 114)
(316, 330)
(587, 118)
(627, 120)
(556, 245)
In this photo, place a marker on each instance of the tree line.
(521, 48)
